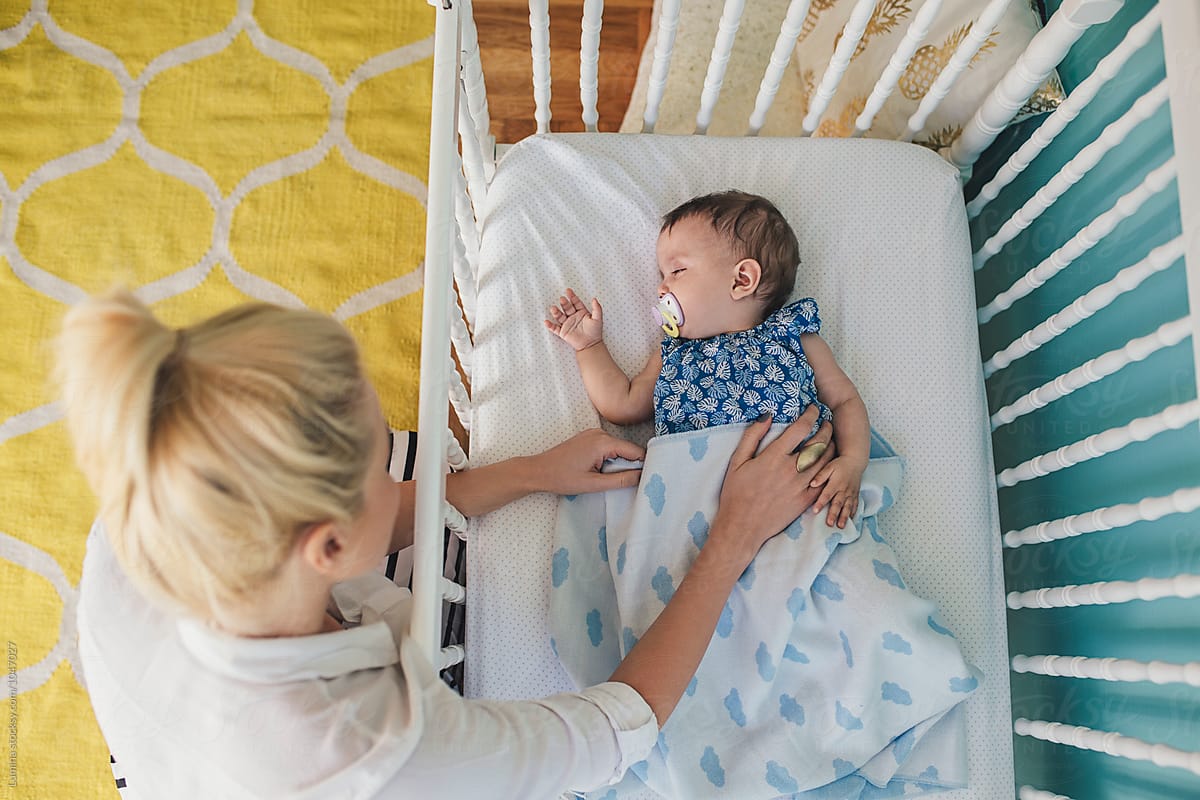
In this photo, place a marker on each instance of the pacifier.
(669, 314)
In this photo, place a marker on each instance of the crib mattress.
(885, 252)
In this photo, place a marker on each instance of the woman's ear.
(747, 275)
(323, 548)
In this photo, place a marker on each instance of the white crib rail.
(1042, 55)
(539, 35)
(966, 50)
(436, 363)
(589, 61)
(474, 160)
(1126, 206)
(1148, 509)
(664, 45)
(852, 34)
(1109, 441)
(1083, 94)
(1121, 670)
(1073, 171)
(1030, 793)
(793, 23)
(473, 85)
(1097, 299)
(1103, 593)
(1114, 744)
(1094, 369)
(899, 61)
(731, 17)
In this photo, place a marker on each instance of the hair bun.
(109, 354)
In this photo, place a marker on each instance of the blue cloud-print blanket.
(826, 677)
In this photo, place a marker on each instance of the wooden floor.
(508, 66)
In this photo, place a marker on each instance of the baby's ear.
(747, 275)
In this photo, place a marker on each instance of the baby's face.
(696, 265)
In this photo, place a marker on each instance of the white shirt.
(191, 712)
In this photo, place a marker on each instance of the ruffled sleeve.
(792, 320)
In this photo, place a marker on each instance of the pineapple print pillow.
(885, 30)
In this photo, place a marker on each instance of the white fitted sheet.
(886, 254)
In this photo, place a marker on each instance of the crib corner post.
(1043, 53)
(1181, 49)
(432, 412)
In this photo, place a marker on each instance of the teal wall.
(1167, 629)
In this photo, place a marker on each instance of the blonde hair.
(211, 448)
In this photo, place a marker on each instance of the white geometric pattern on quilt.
(826, 676)
(885, 253)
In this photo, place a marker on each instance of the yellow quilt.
(203, 153)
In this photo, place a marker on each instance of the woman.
(235, 640)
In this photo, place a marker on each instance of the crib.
(1090, 430)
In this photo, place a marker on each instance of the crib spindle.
(589, 61)
(1030, 793)
(1088, 237)
(539, 36)
(1121, 670)
(464, 215)
(1128, 279)
(664, 45)
(453, 592)
(1068, 110)
(1114, 744)
(456, 459)
(449, 656)
(1148, 509)
(473, 85)
(473, 159)
(465, 284)
(460, 337)
(886, 84)
(963, 54)
(1107, 592)
(852, 34)
(1022, 79)
(1099, 444)
(1073, 171)
(432, 414)
(454, 520)
(1166, 335)
(789, 31)
(731, 18)
(459, 399)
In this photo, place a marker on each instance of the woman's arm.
(572, 467)
(762, 494)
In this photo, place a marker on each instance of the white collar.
(378, 606)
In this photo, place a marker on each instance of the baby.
(732, 351)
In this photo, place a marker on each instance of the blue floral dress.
(738, 377)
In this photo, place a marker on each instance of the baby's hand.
(571, 321)
(842, 478)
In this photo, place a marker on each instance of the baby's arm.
(852, 433)
(615, 396)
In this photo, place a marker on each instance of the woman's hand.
(762, 494)
(573, 467)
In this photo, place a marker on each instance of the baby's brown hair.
(754, 228)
